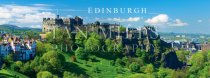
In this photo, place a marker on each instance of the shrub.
(134, 67)
(149, 69)
(68, 75)
(4, 66)
(118, 62)
(45, 74)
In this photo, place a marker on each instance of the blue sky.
(186, 16)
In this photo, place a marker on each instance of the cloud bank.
(24, 16)
(130, 19)
(163, 20)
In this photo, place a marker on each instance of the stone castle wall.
(50, 23)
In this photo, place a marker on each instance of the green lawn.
(106, 70)
(11, 74)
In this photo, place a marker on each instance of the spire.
(57, 16)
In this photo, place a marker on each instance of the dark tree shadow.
(74, 68)
(2, 75)
(108, 55)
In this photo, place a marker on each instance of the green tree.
(40, 50)
(141, 76)
(60, 37)
(18, 65)
(119, 62)
(165, 73)
(205, 72)
(179, 74)
(126, 61)
(92, 45)
(9, 59)
(48, 47)
(181, 54)
(55, 59)
(200, 65)
(35, 64)
(32, 34)
(142, 54)
(95, 35)
(109, 46)
(80, 53)
(122, 29)
(80, 38)
(119, 47)
(67, 74)
(197, 61)
(26, 69)
(14, 67)
(119, 70)
(138, 52)
(208, 56)
(134, 67)
(4, 66)
(45, 74)
(149, 69)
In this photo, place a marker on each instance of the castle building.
(111, 30)
(50, 23)
(106, 30)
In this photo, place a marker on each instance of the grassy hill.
(11, 74)
(17, 30)
(103, 66)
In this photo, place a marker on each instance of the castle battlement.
(50, 23)
(76, 24)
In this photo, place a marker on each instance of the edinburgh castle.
(128, 36)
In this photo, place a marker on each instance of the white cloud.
(199, 21)
(134, 19)
(178, 22)
(23, 15)
(41, 5)
(5, 21)
(115, 19)
(158, 20)
(69, 16)
(130, 19)
(163, 20)
(34, 18)
(96, 18)
(36, 26)
(129, 25)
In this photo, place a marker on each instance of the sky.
(179, 16)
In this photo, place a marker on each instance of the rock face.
(159, 51)
(171, 61)
(0, 62)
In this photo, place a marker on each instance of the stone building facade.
(50, 23)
